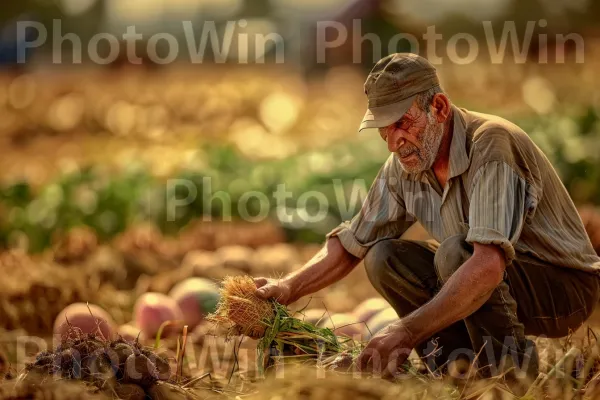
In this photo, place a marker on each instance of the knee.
(451, 254)
(376, 260)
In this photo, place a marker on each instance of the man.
(513, 257)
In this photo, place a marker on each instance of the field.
(95, 184)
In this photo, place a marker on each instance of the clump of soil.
(120, 366)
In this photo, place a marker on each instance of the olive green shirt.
(501, 190)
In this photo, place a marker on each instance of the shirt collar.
(459, 159)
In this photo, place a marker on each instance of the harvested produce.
(313, 316)
(84, 318)
(111, 366)
(381, 320)
(152, 310)
(277, 330)
(369, 308)
(130, 332)
(196, 297)
(343, 324)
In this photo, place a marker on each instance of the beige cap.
(392, 86)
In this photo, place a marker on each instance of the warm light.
(21, 92)
(279, 111)
(539, 94)
(76, 7)
(66, 113)
(431, 10)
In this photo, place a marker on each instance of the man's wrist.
(406, 326)
(287, 282)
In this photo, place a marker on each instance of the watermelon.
(151, 310)
(343, 324)
(130, 332)
(313, 316)
(89, 318)
(369, 308)
(196, 297)
(382, 319)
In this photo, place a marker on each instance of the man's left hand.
(386, 351)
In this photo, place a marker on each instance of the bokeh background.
(89, 152)
(88, 145)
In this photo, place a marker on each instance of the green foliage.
(323, 187)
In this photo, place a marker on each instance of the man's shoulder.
(482, 126)
(496, 139)
(493, 136)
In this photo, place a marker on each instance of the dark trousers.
(533, 299)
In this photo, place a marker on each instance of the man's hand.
(274, 289)
(386, 351)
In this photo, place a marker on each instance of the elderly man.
(513, 257)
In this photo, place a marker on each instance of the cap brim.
(379, 117)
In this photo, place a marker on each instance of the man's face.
(415, 138)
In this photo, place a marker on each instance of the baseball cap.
(392, 86)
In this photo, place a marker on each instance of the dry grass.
(239, 307)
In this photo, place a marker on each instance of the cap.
(392, 86)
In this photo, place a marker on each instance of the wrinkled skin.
(415, 138)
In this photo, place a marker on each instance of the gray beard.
(431, 139)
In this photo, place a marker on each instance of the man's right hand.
(276, 289)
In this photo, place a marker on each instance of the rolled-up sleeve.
(497, 207)
(382, 216)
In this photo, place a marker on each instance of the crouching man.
(513, 257)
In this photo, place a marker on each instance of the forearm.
(328, 266)
(466, 290)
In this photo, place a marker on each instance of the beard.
(424, 157)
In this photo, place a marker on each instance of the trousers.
(534, 298)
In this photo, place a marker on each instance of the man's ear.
(441, 104)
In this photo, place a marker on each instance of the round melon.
(313, 316)
(196, 297)
(381, 320)
(151, 310)
(236, 257)
(130, 332)
(89, 318)
(343, 324)
(369, 308)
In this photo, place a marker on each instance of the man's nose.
(395, 140)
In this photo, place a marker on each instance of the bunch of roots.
(280, 334)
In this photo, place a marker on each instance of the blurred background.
(145, 142)
(253, 94)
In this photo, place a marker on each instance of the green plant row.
(340, 174)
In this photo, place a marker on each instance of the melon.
(151, 310)
(236, 257)
(369, 308)
(89, 318)
(343, 324)
(130, 332)
(381, 320)
(313, 316)
(196, 297)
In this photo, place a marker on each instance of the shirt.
(501, 190)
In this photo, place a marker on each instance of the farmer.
(512, 257)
